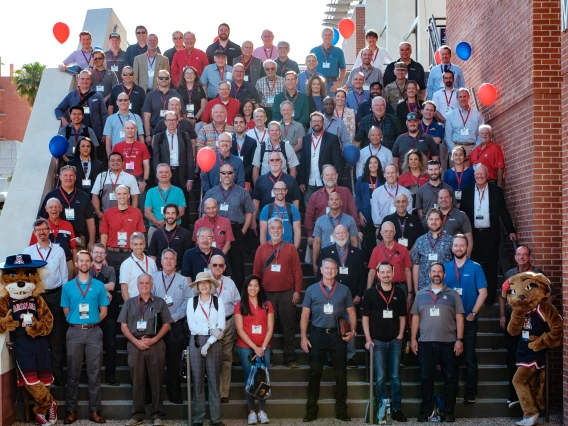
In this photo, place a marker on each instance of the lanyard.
(221, 73)
(286, 129)
(153, 60)
(85, 56)
(246, 64)
(172, 141)
(76, 133)
(371, 72)
(390, 195)
(458, 274)
(389, 258)
(481, 195)
(98, 76)
(446, 96)
(401, 91)
(88, 287)
(266, 53)
(239, 147)
(373, 185)
(165, 101)
(66, 199)
(330, 294)
(361, 95)
(330, 122)
(277, 177)
(343, 258)
(427, 128)
(54, 228)
(434, 298)
(167, 193)
(291, 99)
(283, 68)
(205, 258)
(258, 137)
(117, 176)
(459, 178)
(189, 93)
(220, 288)
(376, 53)
(342, 113)
(325, 53)
(124, 90)
(166, 289)
(268, 85)
(380, 123)
(318, 140)
(436, 241)
(331, 219)
(203, 310)
(383, 296)
(276, 251)
(121, 122)
(80, 94)
(142, 311)
(137, 264)
(41, 255)
(402, 226)
(216, 132)
(228, 192)
(466, 118)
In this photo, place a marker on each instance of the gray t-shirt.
(427, 196)
(441, 327)
(326, 224)
(314, 299)
(456, 222)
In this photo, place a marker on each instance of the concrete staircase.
(289, 386)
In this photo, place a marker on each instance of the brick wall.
(564, 75)
(359, 20)
(16, 112)
(526, 120)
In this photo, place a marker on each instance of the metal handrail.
(188, 380)
(372, 419)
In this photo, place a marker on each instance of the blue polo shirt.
(436, 130)
(156, 199)
(282, 213)
(471, 280)
(334, 56)
(95, 296)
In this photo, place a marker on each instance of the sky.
(28, 37)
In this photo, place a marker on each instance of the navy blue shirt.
(80, 202)
(365, 109)
(136, 94)
(195, 261)
(468, 280)
(263, 189)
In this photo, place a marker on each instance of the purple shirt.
(80, 58)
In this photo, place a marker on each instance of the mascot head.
(22, 277)
(528, 287)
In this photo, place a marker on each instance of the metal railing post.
(188, 381)
(546, 390)
(372, 415)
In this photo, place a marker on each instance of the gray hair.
(169, 250)
(275, 219)
(137, 236)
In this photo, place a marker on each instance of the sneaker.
(52, 413)
(134, 422)
(252, 419)
(263, 418)
(158, 422)
(469, 398)
(40, 419)
(450, 418)
(528, 421)
(511, 404)
(351, 363)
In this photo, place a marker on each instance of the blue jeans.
(243, 355)
(388, 353)
(429, 353)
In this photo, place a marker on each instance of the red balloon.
(487, 94)
(346, 28)
(216, 39)
(437, 57)
(206, 159)
(61, 32)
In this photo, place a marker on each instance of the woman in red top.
(413, 171)
(247, 111)
(254, 321)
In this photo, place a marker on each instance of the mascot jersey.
(535, 325)
(33, 358)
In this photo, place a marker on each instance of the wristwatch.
(412, 292)
(354, 331)
(459, 339)
(473, 313)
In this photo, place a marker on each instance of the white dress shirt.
(382, 201)
(383, 153)
(481, 208)
(229, 294)
(446, 101)
(315, 176)
(132, 268)
(56, 263)
(199, 324)
(174, 149)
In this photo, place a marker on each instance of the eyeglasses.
(140, 32)
(270, 69)
(128, 75)
(163, 78)
(171, 120)
(275, 160)
(218, 265)
(98, 58)
(279, 189)
(226, 173)
(177, 38)
(122, 100)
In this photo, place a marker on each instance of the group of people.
(418, 233)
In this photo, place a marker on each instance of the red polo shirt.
(290, 275)
(134, 154)
(222, 231)
(233, 107)
(197, 59)
(407, 180)
(491, 157)
(259, 317)
(398, 257)
(115, 221)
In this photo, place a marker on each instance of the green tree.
(27, 81)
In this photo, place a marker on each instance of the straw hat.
(205, 276)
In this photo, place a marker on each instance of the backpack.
(288, 210)
(282, 151)
(196, 302)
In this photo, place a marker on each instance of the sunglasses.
(226, 173)
(218, 265)
(163, 78)
(270, 69)
(140, 32)
(128, 75)
(122, 100)
(177, 38)
(98, 58)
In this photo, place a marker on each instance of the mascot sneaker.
(40, 419)
(52, 413)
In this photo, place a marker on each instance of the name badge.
(257, 329)
(246, 78)
(207, 270)
(326, 65)
(326, 210)
(387, 313)
(121, 239)
(214, 244)
(366, 87)
(70, 214)
(224, 207)
(86, 183)
(173, 156)
(400, 101)
(458, 195)
(111, 196)
(27, 319)
(328, 309)
(141, 325)
(525, 335)
(162, 210)
(229, 75)
(163, 112)
(479, 214)
(272, 194)
(275, 267)
(344, 270)
(464, 132)
(122, 134)
(459, 290)
(448, 110)
(436, 206)
(434, 312)
(130, 166)
(403, 242)
(331, 239)
(86, 110)
(190, 107)
(100, 89)
(84, 310)
(270, 100)
(130, 106)
(114, 68)
(169, 301)
(433, 257)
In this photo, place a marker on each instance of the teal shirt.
(301, 107)
(71, 298)
(156, 199)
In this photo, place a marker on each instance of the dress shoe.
(449, 418)
(58, 381)
(112, 382)
(343, 417)
(310, 418)
(70, 418)
(96, 418)
(398, 416)
(176, 400)
(224, 400)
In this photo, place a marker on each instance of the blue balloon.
(98, 48)
(463, 50)
(351, 154)
(58, 146)
(335, 38)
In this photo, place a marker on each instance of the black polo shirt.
(195, 261)
(384, 329)
(80, 202)
(137, 97)
(263, 189)
(283, 67)
(179, 240)
(412, 227)
(156, 101)
(246, 91)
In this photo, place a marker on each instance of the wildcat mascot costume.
(24, 313)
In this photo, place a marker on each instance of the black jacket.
(497, 209)
(330, 153)
(161, 154)
(247, 152)
(96, 169)
(356, 278)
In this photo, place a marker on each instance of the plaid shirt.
(268, 90)
(208, 135)
(389, 125)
